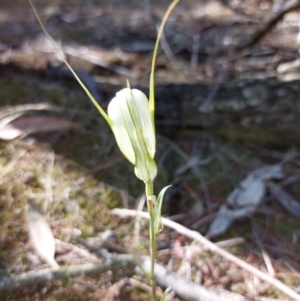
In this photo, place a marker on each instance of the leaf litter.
(41, 235)
(245, 198)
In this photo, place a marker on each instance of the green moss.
(267, 136)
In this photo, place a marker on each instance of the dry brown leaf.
(33, 124)
(41, 234)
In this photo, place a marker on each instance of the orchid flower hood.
(133, 128)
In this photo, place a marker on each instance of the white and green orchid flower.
(130, 116)
(133, 127)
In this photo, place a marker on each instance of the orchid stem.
(152, 247)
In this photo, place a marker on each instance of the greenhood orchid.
(131, 118)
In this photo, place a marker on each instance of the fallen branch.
(263, 29)
(188, 290)
(213, 248)
(36, 277)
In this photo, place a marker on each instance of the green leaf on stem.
(157, 215)
(165, 294)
